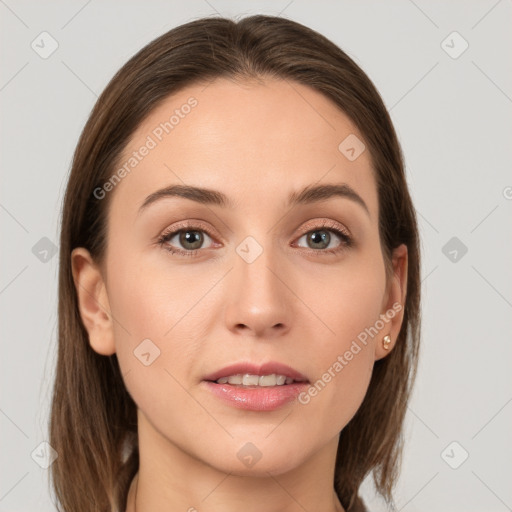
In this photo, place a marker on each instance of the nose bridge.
(259, 300)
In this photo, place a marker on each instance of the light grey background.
(453, 117)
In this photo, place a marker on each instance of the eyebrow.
(308, 195)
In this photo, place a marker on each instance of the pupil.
(322, 238)
(191, 237)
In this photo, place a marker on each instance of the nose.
(259, 300)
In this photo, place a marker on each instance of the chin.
(249, 461)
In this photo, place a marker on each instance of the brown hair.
(93, 422)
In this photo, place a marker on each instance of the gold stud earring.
(386, 342)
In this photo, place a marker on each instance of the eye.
(319, 239)
(191, 239)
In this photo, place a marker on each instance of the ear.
(393, 310)
(93, 302)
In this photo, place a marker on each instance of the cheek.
(344, 304)
(157, 332)
(348, 305)
(152, 297)
(162, 317)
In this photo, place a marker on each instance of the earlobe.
(93, 302)
(394, 305)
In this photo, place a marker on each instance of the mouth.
(251, 374)
(257, 388)
(248, 380)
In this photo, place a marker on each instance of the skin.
(255, 142)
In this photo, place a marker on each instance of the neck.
(132, 499)
(170, 478)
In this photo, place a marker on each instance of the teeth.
(281, 379)
(235, 379)
(250, 380)
(256, 380)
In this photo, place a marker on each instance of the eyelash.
(346, 239)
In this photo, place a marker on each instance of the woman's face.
(254, 279)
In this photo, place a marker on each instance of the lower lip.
(257, 398)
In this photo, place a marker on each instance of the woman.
(269, 362)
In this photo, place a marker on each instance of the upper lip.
(269, 368)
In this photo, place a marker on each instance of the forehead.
(254, 141)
